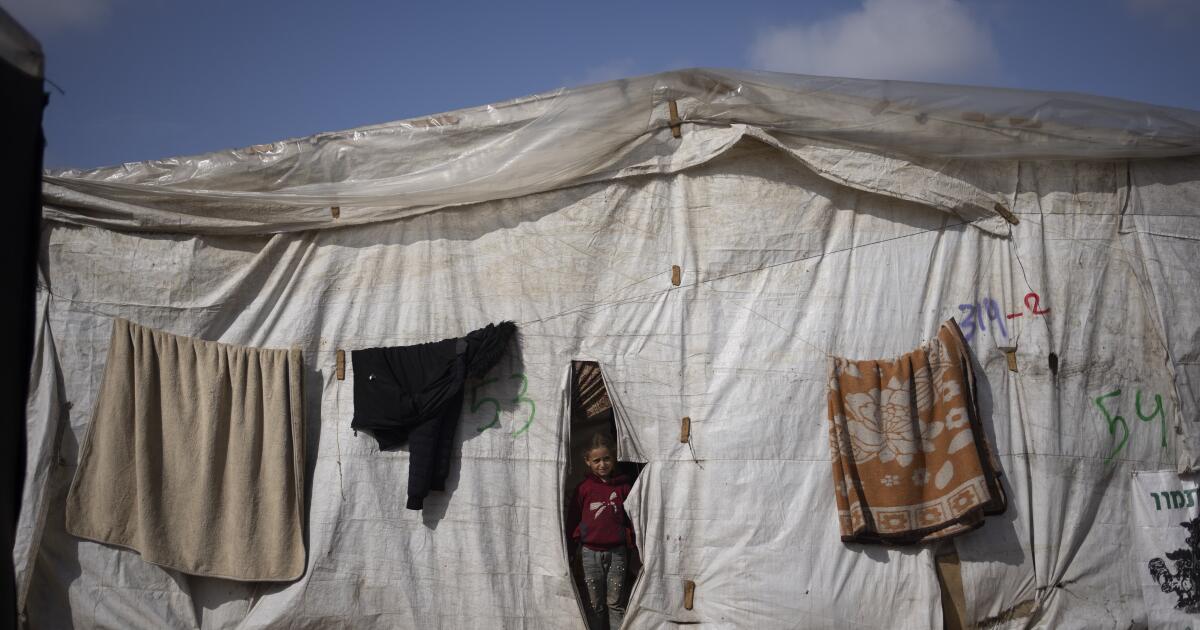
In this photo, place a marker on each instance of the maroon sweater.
(596, 516)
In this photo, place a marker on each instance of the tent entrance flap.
(600, 538)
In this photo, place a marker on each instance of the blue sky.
(146, 79)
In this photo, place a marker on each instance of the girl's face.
(600, 461)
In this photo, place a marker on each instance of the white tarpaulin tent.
(809, 217)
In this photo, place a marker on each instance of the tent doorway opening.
(594, 504)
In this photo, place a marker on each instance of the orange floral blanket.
(910, 459)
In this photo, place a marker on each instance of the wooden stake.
(1008, 216)
(685, 430)
(676, 275)
(675, 122)
(689, 594)
(341, 365)
(1011, 355)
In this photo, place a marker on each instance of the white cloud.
(917, 40)
(42, 16)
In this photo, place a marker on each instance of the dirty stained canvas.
(808, 217)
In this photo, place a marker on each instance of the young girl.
(596, 519)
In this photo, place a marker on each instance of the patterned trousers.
(604, 575)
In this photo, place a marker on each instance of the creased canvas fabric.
(910, 459)
(195, 457)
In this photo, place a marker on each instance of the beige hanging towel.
(910, 459)
(195, 457)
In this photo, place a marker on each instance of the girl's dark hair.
(598, 440)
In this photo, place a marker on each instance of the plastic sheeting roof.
(610, 130)
(19, 48)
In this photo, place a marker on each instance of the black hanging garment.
(414, 394)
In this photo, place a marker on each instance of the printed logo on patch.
(1185, 580)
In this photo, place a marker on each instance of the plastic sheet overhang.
(19, 48)
(598, 132)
